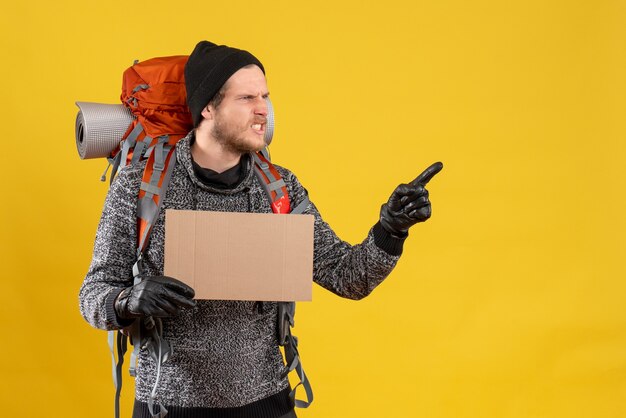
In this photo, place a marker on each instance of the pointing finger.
(428, 174)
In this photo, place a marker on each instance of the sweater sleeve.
(113, 254)
(350, 271)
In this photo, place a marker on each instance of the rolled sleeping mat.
(269, 126)
(100, 128)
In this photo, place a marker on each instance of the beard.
(232, 137)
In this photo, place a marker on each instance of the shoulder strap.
(117, 345)
(272, 182)
(286, 314)
(276, 191)
(154, 184)
(155, 180)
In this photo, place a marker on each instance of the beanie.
(208, 68)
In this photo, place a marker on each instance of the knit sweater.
(226, 356)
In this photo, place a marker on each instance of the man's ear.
(207, 112)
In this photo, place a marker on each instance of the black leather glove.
(158, 296)
(408, 204)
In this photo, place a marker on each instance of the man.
(226, 361)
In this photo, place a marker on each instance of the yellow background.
(509, 302)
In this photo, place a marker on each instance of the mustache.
(259, 120)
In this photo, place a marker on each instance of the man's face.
(239, 121)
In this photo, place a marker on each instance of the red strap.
(281, 204)
(144, 226)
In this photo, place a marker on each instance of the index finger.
(428, 174)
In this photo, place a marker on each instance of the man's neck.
(208, 153)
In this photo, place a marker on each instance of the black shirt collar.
(224, 180)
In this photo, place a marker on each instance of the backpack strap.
(117, 346)
(298, 210)
(286, 314)
(272, 182)
(156, 178)
(276, 191)
(159, 350)
(121, 158)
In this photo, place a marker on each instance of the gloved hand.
(158, 296)
(408, 204)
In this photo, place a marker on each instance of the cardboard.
(241, 256)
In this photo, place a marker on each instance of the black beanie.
(208, 68)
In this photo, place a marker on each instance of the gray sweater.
(226, 353)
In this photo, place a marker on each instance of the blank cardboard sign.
(241, 256)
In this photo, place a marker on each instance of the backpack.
(154, 92)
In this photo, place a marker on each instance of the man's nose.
(261, 106)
